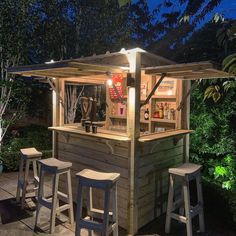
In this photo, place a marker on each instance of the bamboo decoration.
(71, 101)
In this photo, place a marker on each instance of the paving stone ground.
(17, 222)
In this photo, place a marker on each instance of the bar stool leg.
(114, 210)
(200, 201)
(71, 212)
(40, 195)
(19, 180)
(90, 206)
(187, 207)
(79, 209)
(36, 178)
(35, 170)
(106, 212)
(25, 184)
(169, 205)
(181, 209)
(54, 203)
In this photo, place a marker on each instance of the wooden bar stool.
(56, 168)
(28, 156)
(108, 183)
(186, 173)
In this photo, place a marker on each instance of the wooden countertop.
(164, 135)
(112, 135)
(106, 134)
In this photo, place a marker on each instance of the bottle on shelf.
(161, 111)
(169, 113)
(156, 112)
(172, 115)
(146, 114)
(165, 112)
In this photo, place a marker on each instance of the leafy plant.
(223, 172)
(229, 64)
(31, 136)
(214, 92)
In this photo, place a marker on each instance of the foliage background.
(35, 31)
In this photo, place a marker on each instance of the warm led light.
(124, 68)
(169, 92)
(109, 82)
(123, 51)
(50, 62)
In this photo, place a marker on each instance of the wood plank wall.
(96, 153)
(155, 159)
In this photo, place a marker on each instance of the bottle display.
(164, 111)
(146, 114)
(161, 111)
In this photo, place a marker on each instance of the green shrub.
(214, 125)
(31, 136)
(11, 159)
(213, 142)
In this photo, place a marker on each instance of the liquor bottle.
(169, 113)
(146, 114)
(161, 111)
(158, 111)
(165, 111)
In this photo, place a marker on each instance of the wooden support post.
(55, 115)
(133, 131)
(185, 118)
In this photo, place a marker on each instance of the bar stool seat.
(56, 168)
(55, 164)
(185, 173)
(28, 156)
(185, 169)
(108, 183)
(30, 153)
(95, 177)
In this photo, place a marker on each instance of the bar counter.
(109, 151)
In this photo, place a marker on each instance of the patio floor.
(17, 222)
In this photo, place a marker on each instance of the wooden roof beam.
(185, 67)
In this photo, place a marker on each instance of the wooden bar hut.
(146, 129)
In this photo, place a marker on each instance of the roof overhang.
(189, 71)
(92, 66)
(64, 69)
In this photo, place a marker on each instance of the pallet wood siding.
(101, 155)
(153, 179)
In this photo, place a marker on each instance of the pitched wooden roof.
(87, 66)
(98, 66)
(189, 71)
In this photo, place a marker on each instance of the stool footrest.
(98, 213)
(95, 211)
(180, 218)
(62, 196)
(63, 208)
(31, 190)
(47, 202)
(89, 224)
(196, 210)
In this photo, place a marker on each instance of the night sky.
(227, 8)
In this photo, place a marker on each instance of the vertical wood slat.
(155, 159)
(133, 131)
(93, 153)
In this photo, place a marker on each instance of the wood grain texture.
(95, 153)
(153, 179)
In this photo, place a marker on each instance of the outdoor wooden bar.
(141, 157)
